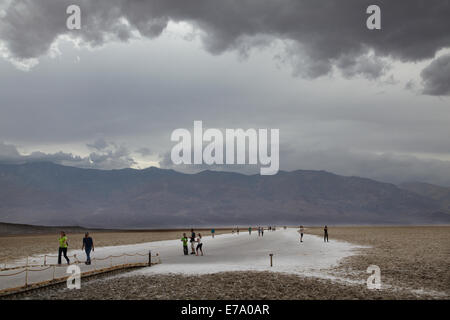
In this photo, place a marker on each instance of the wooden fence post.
(271, 255)
(149, 258)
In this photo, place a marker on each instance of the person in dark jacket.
(88, 245)
(192, 241)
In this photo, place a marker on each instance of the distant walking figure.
(212, 232)
(249, 230)
(301, 233)
(185, 244)
(262, 231)
(325, 234)
(88, 245)
(199, 244)
(192, 241)
(63, 244)
(259, 231)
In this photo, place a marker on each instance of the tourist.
(301, 233)
(199, 244)
(212, 232)
(88, 245)
(185, 244)
(325, 234)
(63, 244)
(262, 231)
(192, 241)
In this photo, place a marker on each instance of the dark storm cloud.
(322, 34)
(436, 77)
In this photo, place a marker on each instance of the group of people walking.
(87, 246)
(195, 249)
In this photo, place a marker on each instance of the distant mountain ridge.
(438, 193)
(49, 194)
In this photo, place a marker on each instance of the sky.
(353, 101)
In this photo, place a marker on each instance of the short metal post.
(149, 258)
(271, 255)
(26, 277)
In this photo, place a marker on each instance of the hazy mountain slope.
(438, 193)
(49, 194)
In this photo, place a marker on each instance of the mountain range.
(44, 193)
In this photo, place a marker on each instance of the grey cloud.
(323, 34)
(116, 158)
(436, 77)
(98, 144)
(370, 66)
(387, 167)
(144, 151)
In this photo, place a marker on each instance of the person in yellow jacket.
(63, 244)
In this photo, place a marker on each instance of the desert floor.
(413, 257)
(414, 263)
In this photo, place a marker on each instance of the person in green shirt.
(63, 244)
(185, 244)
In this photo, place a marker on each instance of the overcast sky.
(372, 103)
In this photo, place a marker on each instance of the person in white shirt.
(199, 244)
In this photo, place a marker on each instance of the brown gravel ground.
(408, 257)
(14, 247)
(226, 285)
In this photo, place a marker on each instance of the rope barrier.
(12, 274)
(75, 258)
(98, 269)
(40, 269)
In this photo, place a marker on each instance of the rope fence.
(13, 284)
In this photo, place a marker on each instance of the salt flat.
(244, 252)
